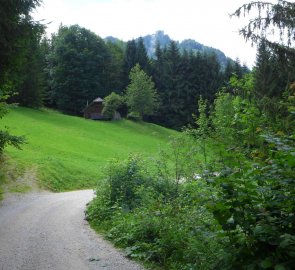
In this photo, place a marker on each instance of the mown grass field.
(70, 152)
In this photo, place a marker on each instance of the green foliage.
(111, 104)
(272, 19)
(203, 130)
(5, 137)
(78, 68)
(3, 108)
(256, 209)
(135, 53)
(124, 178)
(140, 211)
(181, 78)
(20, 69)
(15, 21)
(28, 77)
(141, 95)
(115, 81)
(253, 174)
(134, 116)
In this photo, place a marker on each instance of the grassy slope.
(70, 152)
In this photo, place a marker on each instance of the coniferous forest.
(75, 65)
(223, 195)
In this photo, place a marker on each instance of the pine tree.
(115, 68)
(276, 18)
(30, 73)
(264, 74)
(130, 60)
(141, 56)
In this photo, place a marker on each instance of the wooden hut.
(94, 110)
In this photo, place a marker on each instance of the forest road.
(47, 231)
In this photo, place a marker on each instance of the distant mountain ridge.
(150, 42)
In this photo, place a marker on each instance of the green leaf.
(280, 267)
(265, 264)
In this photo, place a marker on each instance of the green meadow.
(69, 152)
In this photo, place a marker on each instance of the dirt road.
(48, 231)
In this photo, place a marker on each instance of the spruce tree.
(141, 56)
(130, 60)
(271, 20)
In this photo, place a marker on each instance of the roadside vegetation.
(222, 197)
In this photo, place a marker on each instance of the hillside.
(163, 39)
(70, 152)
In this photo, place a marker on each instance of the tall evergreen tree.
(115, 67)
(170, 92)
(141, 56)
(130, 60)
(14, 19)
(238, 70)
(30, 74)
(45, 51)
(180, 80)
(17, 32)
(264, 74)
(276, 18)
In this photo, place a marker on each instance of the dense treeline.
(181, 79)
(75, 65)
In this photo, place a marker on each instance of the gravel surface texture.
(47, 231)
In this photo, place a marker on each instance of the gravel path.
(48, 231)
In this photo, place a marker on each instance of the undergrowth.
(155, 219)
(230, 208)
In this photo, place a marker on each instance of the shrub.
(134, 116)
(155, 217)
(256, 207)
(111, 104)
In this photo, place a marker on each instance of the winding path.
(47, 231)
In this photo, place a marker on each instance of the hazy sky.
(206, 21)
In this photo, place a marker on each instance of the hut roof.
(98, 99)
(95, 101)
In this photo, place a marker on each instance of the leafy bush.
(111, 104)
(155, 218)
(256, 207)
(253, 172)
(134, 116)
(124, 178)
